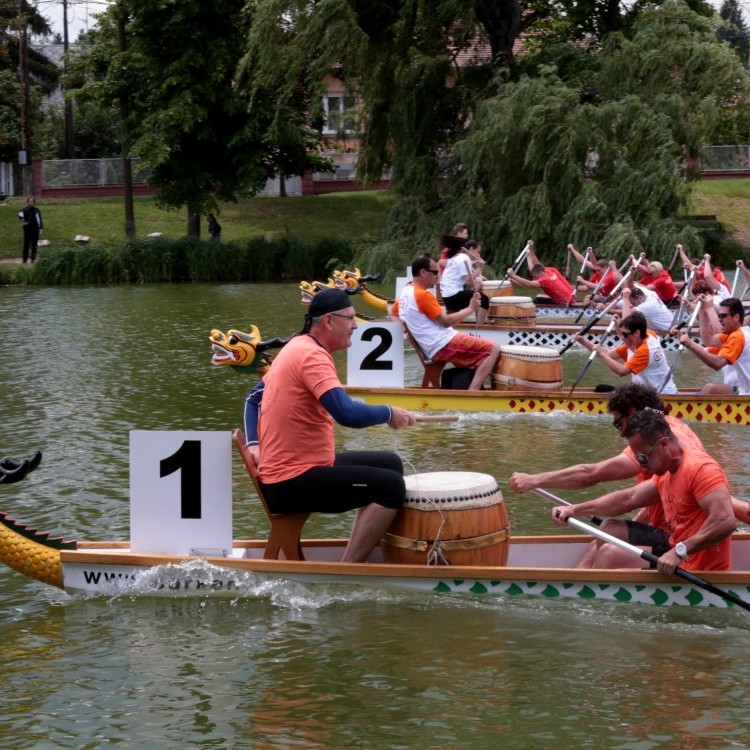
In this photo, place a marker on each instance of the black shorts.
(645, 535)
(459, 301)
(356, 479)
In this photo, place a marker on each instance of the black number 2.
(187, 459)
(371, 361)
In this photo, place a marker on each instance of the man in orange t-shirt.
(691, 488)
(289, 426)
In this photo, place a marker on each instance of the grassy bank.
(313, 218)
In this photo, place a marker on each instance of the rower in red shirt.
(547, 278)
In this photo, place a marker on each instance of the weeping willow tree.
(595, 154)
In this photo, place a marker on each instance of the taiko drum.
(521, 368)
(449, 517)
(497, 288)
(508, 312)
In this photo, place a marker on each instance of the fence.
(83, 172)
(725, 159)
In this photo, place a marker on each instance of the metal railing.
(725, 159)
(75, 172)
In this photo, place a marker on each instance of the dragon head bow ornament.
(243, 351)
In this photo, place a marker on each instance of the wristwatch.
(681, 551)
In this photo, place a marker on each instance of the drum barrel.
(510, 312)
(449, 518)
(520, 368)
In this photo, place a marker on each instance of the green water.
(314, 666)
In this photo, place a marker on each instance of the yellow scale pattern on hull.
(35, 560)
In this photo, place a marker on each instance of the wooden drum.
(521, 368)
(497, 288)
(449, 518)
(509, 312)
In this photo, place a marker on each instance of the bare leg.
(713, 389)
(610, 557)
(481, 373)
(614, 527)
(370, 523)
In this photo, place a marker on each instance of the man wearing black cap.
(289, 417)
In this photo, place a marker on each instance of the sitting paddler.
(431, 326)
(641, 354)
(603, 279)
(691, 489)
(549, 279)
(728, 349)
(625, 402)
(289, 418)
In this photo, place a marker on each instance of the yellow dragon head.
(243, 351)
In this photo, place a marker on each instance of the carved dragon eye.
(233, 340)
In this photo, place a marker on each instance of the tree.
(597, 157)
(734, 30)
(199, 137)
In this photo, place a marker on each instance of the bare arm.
(520, 281)
(610, 505)
(577, 477)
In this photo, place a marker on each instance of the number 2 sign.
(376, 356)
(181, 492)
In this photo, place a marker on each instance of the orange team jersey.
(686, 437)
(697, 476)
(295, 430)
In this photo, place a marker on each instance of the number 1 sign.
(181, 492)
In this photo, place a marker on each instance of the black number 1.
(186, 459)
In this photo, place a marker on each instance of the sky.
(81, 13)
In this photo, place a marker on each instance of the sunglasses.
(625, 334)
(429, 270)
(350, 318)
(617, 423)
(721, 316)
(643, 458)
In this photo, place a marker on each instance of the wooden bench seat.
(286, 528)
(432, 370)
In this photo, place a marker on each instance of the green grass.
(311, 218)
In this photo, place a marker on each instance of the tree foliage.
(187, 121)
(597, 158)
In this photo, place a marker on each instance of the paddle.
(592, 356)
(681, 347)
(727, 596)
(559, 501)
(423, 418)
(685, 293)
(734, 283)
(600, 314)
(520, 259)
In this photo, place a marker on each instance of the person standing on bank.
(289, 427)
(33, 225)
(214, 229)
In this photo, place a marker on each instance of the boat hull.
(113, 570)
(683, 405)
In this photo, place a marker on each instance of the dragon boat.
(514, 322)
(246, 352)
(531, 566)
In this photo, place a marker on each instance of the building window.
(340, 116)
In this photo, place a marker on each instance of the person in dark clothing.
(33, 225)
(214, 229)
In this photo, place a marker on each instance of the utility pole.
(27, 173)
(127, 175)
(70, 142)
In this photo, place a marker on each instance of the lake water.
(294, 666)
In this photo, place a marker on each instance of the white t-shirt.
(657, 314)
(454, 276)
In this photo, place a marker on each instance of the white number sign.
(181, 492)
(376, 356)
